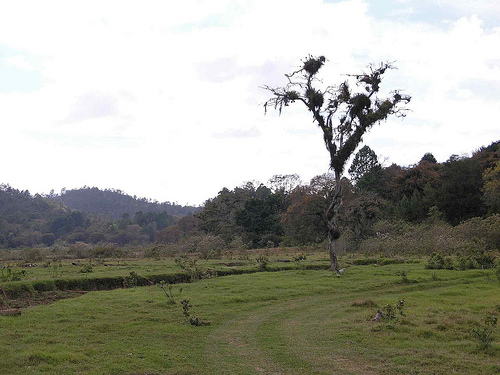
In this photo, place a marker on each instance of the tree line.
(282, 212)
(287, 212)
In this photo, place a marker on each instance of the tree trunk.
(332, 215)
(334, 263)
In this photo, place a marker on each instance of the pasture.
(296, 321)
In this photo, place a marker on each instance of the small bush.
(393, 311)
(484, 333)
(87, 268)
(167, 289)
(191, 266)
(262, 262)
(193, 320)
(11, 275)
(80, 250)
(210, 247)
(131, 280)
(32, 255)
(18, 289)
(299, 258)
(404, 276)
(44, 285)
(438, 262)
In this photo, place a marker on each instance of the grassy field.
(289, 322)
(68, 269)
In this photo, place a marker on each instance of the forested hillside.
(450, 206)
(106, 217)
(116, 203)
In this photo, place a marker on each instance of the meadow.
(296, 321)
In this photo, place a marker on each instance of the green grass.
(143, 267)
(290, 322)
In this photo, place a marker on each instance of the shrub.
(192, 267)
(44, 285)
(404, 276)
(11, 275)
(87, 268)
(262, 262)
(167, 289)
(438, 262)
(32, 255)
(211, 247)
(107, 251)
(299, 257)
(80, 250)
(153, 253)
(131, 280)
(18, 289)
(392, 312)
(193, 320)
(484, 333)
(488, 230)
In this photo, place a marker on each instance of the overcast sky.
(161, 99)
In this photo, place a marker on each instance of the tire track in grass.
(266, 340)
(261, 342)
(236, 347)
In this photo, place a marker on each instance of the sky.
(164, 99)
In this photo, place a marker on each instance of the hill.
(116, 203)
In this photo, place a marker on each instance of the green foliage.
(8, 274)
(55, 267)
(429, 158)
(132, 280)
(491, 179)
(460, 195)
(210, 247)
(393, 312)
(404, 276)
(17, 289)
(300, 257)
(107, 251)
(44, 285)
(484, 333)
(364, 161)
(32, 255)
(194, 269)
(481, 233)
(48, 239)
(168, 290)
(262, 262)
(437, 262)
(377, 261)
(192, 319)
(87, 268)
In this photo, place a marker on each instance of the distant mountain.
(116, 203)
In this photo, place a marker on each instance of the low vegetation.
(296, 321)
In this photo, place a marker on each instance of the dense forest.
(85, 215)
(115, 203)
(451, 205)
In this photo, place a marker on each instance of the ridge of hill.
(116, 203)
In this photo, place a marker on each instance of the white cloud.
(164, 101)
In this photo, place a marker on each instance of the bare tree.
(344, 113)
